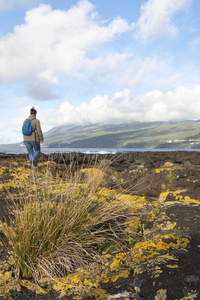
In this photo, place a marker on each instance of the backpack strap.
(34, 130)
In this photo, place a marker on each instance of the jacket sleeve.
(39, 131)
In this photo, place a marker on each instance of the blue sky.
(98, 61)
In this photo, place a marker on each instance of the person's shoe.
(35, 164)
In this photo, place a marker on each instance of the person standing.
(32, 142)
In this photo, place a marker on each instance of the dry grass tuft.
(57, 223)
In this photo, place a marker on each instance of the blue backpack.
(27, 127)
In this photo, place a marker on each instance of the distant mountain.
(128, 135)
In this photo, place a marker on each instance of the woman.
(32, 142)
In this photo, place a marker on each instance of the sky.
(98, 61)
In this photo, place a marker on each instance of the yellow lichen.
(161, 295)
(117, 261)
(190, 296)
(172, 266)
(168, 164)
(167, 225)
(164, 169)
(121, 274)
(163, 196)
(145, 250)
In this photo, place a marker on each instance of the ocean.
(21, 150)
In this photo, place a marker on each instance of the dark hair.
(33, 111)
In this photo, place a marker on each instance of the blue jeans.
(33, 151)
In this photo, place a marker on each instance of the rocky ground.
(163, 261)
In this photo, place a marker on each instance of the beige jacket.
(37, 134)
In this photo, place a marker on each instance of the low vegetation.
(57, 223)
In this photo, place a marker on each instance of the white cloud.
(53, 43)
(171, 80)
(155, 105)
(196, 41)
(156, 18)
(9, 4)
(41, 89)
(128, 71)
(140, 70)
(106, 70)
(21, 115)
(179, 105)
(10, 134)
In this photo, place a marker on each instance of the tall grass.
(57, 223)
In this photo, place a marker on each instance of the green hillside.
(128, 135)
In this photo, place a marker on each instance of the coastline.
(47, 151)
